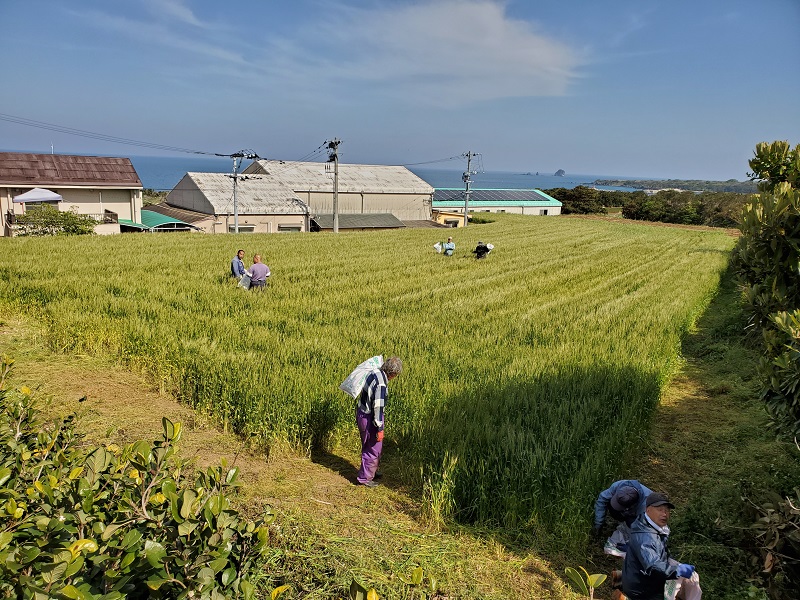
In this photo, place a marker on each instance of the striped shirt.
(373, 397)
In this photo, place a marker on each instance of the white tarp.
(38, 195)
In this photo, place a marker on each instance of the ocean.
(163, 173)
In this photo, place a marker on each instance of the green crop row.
(528, 375)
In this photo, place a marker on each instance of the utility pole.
(237, 161)
(333, 156)
(468, 155)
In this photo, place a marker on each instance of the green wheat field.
(527, 378)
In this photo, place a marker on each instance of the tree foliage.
(110, 522)
(580, 200)
(691, 185)
(716, 209)
(48, 220)
(768, 264)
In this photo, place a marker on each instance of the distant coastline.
(691, 185)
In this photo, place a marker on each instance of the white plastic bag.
(355, 381)
(490, 247)
(438, 247)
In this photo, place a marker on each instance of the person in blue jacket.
(623, 501)
(237, 265)
(649, 572)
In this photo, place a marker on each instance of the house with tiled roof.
(106, 188)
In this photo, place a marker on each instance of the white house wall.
(259, 223)
(95, 202)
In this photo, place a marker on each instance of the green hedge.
(768, 265)
(109, 522)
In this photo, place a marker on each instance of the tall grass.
(528, 375)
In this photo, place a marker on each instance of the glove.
(685, 571)
(380, 436)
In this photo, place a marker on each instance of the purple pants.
(370, 447)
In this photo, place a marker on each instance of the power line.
(101, 136)
(430, 162)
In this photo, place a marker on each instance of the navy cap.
(656, 499)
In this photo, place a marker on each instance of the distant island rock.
(560, 173)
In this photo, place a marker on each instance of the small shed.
(365, 222)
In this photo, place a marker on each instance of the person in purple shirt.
(258, 273)
(370, 419)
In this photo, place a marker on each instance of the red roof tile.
(23, 169)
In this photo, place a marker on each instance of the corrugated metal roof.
(47, 170)
(134, 224)
(187, 216)
(359, 221)
(151, 219)
(314, 177)
(255, 195)
(493, 197)
(422, 224)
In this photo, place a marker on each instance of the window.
(452, 222)
(543, 211)
(290, 228)
(501, 210)
(242, 229)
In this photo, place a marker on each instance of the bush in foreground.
(110, 522)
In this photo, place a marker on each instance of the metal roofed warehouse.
(516, 201)
(362, 188)
(265, 205)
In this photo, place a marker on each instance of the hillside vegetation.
(527, 376)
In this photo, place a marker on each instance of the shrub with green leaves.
(768, 265)
(47, 220)
(110, 522)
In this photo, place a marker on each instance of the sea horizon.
(162, 173)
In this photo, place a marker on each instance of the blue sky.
(648, 88)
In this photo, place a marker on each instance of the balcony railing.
(105, 217)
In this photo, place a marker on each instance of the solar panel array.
(444, 195)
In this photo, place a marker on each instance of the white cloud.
(175, 10)
(437, 51)
(159, 34)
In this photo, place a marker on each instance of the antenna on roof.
(237, 161)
